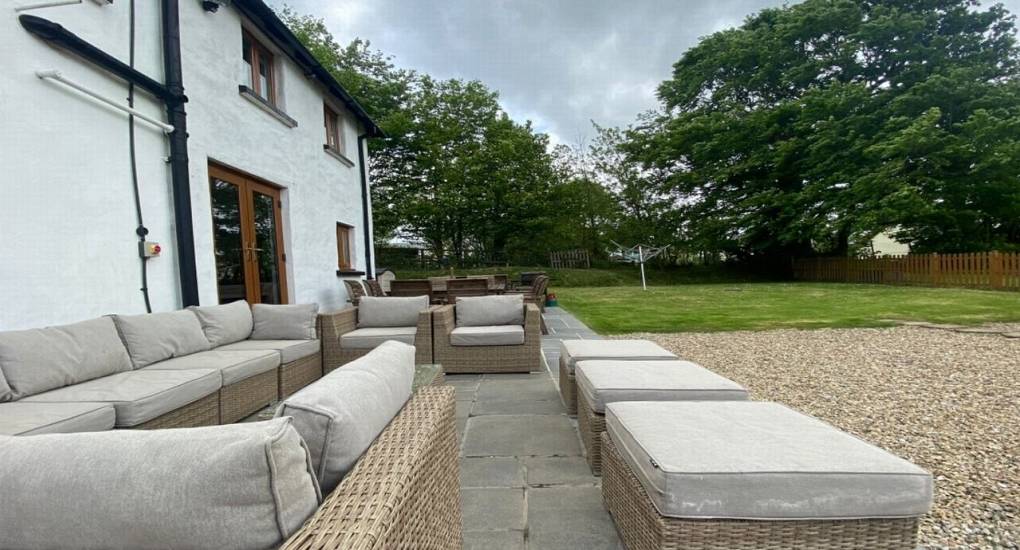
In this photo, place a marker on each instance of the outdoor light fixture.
(212, 6)
(56, 3)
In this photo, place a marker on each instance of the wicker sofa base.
(298, 374)
(492, 359)
(403, 493)
(642, 528)
(246, 397)
(591, 425)
(568, 388)
(204, 412)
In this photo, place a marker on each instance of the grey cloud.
(557, 63)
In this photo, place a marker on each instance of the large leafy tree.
(813, 127)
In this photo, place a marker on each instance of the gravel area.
(947, 401)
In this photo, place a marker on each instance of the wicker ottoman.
(572, 351)
(745, 474)
(602, 382)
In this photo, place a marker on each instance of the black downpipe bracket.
(178, 118)
(369, 271)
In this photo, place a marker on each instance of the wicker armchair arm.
(338, 323)
(403, 492)
(532, 323)
(443, 321)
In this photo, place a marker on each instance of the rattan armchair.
(334, 325)
(404, 492)
(526, 357)
(355, 291)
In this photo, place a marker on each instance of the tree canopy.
(813, 127)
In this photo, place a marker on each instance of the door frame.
(247, 185)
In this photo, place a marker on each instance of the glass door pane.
(228, 240)
(267, 255)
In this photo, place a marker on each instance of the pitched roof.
(266, 20)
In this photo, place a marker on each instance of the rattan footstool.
(572, 351)
(746, 474)
(602, 382)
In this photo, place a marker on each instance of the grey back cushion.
(34, 361)
(226, 323)
(153, 337)
(284, 322)
(341, 414)
(390, 311)
(234, 486)
(484, 311)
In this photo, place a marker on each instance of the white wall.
(224, 127)
(68, 250)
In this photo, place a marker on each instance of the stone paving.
(524, 480)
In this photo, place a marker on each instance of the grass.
(762, 306)
(608, 276)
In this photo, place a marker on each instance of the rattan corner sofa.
(488, 334)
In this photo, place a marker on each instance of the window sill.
(266, 106)
(349, 273)
(338, 156)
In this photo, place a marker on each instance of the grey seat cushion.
(340, 415)
(225, 323)
(284, 322)
(246, 485)
(21, 418)
(233, 366)
(140, 395)
(627, 350)
(480, 311)
(34, 361)
(390, 311)
(368, 338)
(153, 337)
(755, 460)
(604, 382)
(500, 335)
(289, 350)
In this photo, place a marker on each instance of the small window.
(259, 64)
(344, 234)
(334, 140)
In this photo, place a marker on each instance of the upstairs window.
(334, 138)
(259, 64)
(344, 234)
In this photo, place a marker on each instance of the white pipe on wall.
(55, 75)
(50, 4)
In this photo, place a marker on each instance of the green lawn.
(761, 306)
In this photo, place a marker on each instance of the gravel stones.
(945, 400)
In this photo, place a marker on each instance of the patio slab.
(538, 389)
(494, 540)
(558, 470)
(492, 509)
(492, 472)
(565, 518)
(521, 435)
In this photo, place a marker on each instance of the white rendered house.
(264, 195)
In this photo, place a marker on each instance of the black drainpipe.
(181, 181)
(369, 271)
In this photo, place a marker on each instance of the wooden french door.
(248, 237)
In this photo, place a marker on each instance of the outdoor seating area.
(364, 452)
(447, 289)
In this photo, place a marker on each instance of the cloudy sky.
(559, 63)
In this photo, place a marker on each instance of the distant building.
(264, 198)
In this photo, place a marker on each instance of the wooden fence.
(569, 259)
(988, 270)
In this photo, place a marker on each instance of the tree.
(815, 126)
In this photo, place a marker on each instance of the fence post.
(934, 268)
(995, 270)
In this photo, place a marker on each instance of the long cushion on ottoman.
(601, 382)
(572, 351)
(236, 486)
(342, 414)
(20, 418)
(794, 477)
(142, 395)
(371, 337)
